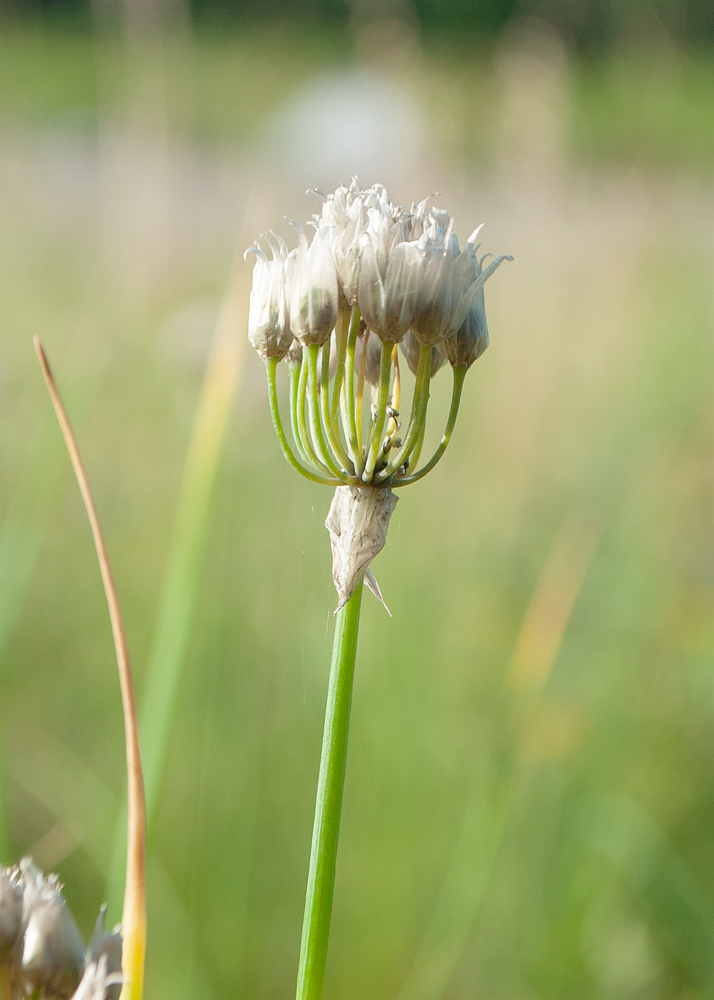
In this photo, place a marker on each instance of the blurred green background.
(529, 808)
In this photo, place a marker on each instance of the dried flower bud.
(10, 915)
(410, 349)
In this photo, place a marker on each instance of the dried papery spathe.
(357, 522)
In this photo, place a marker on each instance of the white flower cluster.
(41, 948)
(402, 268)
(374, 275)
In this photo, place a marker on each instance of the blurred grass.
(592, 408)
(643, 106)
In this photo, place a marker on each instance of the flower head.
(374, 275)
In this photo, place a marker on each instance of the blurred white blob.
(356, 121)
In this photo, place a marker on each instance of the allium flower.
(344, 215)
(50, 949)
(378, 275)
(268, 322)
(312, 288)
(448, 283)
(471, 339)
(388, 284)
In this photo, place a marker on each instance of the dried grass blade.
(134, 917)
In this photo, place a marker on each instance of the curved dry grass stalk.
(134, 916)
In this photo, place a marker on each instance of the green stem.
(333, 434)
(349, 393)
(323, 452)
(459, 376)
(414, 457)
(270, 367)
(295, 369)
(376, 443)
(325, 833)
(302, 401)
(420, 402)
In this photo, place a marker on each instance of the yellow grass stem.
(134, 917)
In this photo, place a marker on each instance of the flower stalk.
(375, 276)
(326, 828)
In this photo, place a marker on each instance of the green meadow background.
(529, 804)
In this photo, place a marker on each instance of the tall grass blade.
(134, 918)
